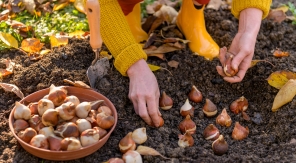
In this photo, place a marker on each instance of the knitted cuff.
(239, 5)
(125, 59)
(118, 37)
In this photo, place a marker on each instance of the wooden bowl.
(83, 95)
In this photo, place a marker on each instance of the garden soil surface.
(272, 136)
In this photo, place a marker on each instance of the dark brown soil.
(272, 135)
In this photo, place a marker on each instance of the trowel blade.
(98, 70)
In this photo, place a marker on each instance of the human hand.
(243, 44)
(144, 92)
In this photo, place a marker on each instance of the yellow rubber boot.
(134, 22)
(192, 23)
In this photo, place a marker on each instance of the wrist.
(138, 66)
(250, 21)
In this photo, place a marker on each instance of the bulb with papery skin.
(187, 109)
(21, 111)
(89, 137)
(105, 109)
(83, 125)
(39, 141)
(132, 157)
(54, 142)
(209, 109)
(33, 107)
(224, 119)
(70, 144)
(102, 132)
(185, 140)
(57, 94)
(127, 143)
(165, 101)
(139, 135)
(27, 134)
(105, 121)
(239, 105)
(83, 109)
(72, 99)
(36, 123)
(20, 125)
(50, 117)
(46, 131)
(239, 132)
(115, 160)
(211, 132)
(187, 125)
(43, 105)
(69, 129)
(66, 110)
(195, 95)
(220, 146)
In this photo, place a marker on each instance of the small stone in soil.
(257, 119)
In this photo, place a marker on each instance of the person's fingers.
(240, 74)
(143, 111)
(237, 59)
(220, 71)
(134, 101)
(153, 110)
(222, 55)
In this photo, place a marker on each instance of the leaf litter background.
(272, 135)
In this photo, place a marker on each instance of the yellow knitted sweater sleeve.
(239, 5)
(118, 37)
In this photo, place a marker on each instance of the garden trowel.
(100, 65)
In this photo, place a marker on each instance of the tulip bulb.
(43, 105)
(72, 99)
(54, 142)
(195, 95)
(211, 132)
(105, 109)
(186, 109)
(139, 135)
(105, 121)
(20, 125)
(209, 109)
(127, 143)
(70, 144)
(165, 101)
(21, 111)
(92, 121)
(50, 117)
(46, 131)
(39, 141)
(102, 132)
(69, 129)
(83, 125)
(115, 160)
(185, 140)
(27, 134)
(161, 122)
(57, 95)
(89, 137)
(220, 146)
(36, 123)
(132, 157)
(83, 109)
(33, 107)
(224, 119)
(239, 105)
(228, 70)
(66, 110)
(187, 125)
(239, 132)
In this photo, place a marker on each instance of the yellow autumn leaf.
(284, 8)
(60, 6)
(280, 78)
(77, 34)
(79, 5)
(254, 62)
(56, 41)
(8, 39)
(285, 95)
(45, 51)
(31, 45)
(105, 54)
(153, 67)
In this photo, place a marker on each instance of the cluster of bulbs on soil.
(60, 122)
(211, 132)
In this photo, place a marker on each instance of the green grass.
(292, 8)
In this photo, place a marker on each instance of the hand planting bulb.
(50, 117)
(72, 99)
(66, 110)
(70, 144)
(46, 131)
(83, 125)
(84, 108)
(21, 111)
(57, 94)
(43, 105)
(39, 141)
(89, 137)
(27, 134)
(69, 129)
(132, 157)
(139, 135)
(54, 142)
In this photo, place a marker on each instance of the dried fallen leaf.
(285, 95)
(245, 116)
(157, 22)
(148, 23)
(60, 6)
(79, 84)
(153, 67)
(79, 5)
(280, 78)
(214, 4)
(277, 15)
(147, 151)
(8, 39)
(167, 13)
(56, 41)
(30, 5)
(173, 63)
(12, 88)
(254, 62)
(160, 56)
(31, 45)
(278, 53)
(9, 68)
(150, 40)
(162, 49)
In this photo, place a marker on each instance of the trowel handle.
(93, 16)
